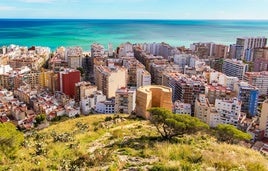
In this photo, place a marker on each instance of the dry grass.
(130, 140)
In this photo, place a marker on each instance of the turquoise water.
(55, 33)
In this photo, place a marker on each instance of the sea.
(76, 32)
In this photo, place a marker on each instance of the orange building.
(152, 96)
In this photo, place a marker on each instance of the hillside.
(124, 144)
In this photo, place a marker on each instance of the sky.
(135, 9)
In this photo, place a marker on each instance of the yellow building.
(152, 96)
(47, 79)
(264, 118)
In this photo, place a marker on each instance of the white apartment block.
(228, 81)
(143, 77)
(181, 108)
(126, 50)
(234, 68)
(89, 102)
(251, 42)
(206, 112)
(223, 112)
(105, 107)
(125, 100)
(229, 110)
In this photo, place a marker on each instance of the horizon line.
(170, 19)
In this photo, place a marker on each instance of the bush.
(108, 118)
(10, 139)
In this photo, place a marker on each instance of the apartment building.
(216, 91)
(248, 44)
(181, 108)
(109, 79)
(248, 95)
(84, 89)
(258, 79)
(67, 79)
(205, 111)
(234, 68)
(125, 100)
(225, 111)
(229, 110)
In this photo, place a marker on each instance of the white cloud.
(6, 8)
(37, 1)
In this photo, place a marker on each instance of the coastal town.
(219, 84)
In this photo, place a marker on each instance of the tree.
(82, 71)
(231, 134)
(170, 125)
(40, 118)
(10, 139)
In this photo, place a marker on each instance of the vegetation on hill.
(107, 142)
(10, 140)
(231, 134)
(170, 125)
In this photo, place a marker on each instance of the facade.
(225, 111)
(106, 107)
(234, 68)
(32, 78)
(259, 53)
(260, 58)
(73, 55)
(248, 95)
(260, 64)
(229, 110)
(47, 80)
(258, 79)
(205, 111)
(137, 75)
(75, 61)
(181, 108)
(187, 90)
(97, 50)
(228, 81)
(109, 79)
(125, 50)
(83, 90)
(152, 96)
(125, 100)
(67, 80)
(251, 43)
(236, 52)
(143, 78)
(264, 118)
(219, 51)
(88, 103)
